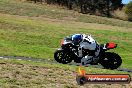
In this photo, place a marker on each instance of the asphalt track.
(53, 61)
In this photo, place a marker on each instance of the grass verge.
(21, 74)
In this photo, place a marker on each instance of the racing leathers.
(88, 49)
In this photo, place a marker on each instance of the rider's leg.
(96, 56)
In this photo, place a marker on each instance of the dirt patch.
(22, 75)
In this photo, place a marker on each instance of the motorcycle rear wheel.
(62, 57)
(110, 60)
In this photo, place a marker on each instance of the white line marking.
(19, 59)
(6, 58)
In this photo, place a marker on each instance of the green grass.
(24, 36)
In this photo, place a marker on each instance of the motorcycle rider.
(88, 44)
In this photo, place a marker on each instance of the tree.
(115, 4)
(128, 10)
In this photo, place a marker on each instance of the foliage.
(98, 7)
(128, 10)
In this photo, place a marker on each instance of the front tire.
(62, 57)
(110, 60)
(81, 80)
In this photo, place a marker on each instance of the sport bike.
(68, 52)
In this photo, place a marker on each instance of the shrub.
(128, 10)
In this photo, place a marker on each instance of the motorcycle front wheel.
(62, 56)
(81, 80)
(110, 60)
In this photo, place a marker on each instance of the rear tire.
(62, 57)
(110, 60)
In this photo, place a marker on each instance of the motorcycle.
(69, 52)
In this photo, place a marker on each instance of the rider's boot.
(86, 60)
(95, 60)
